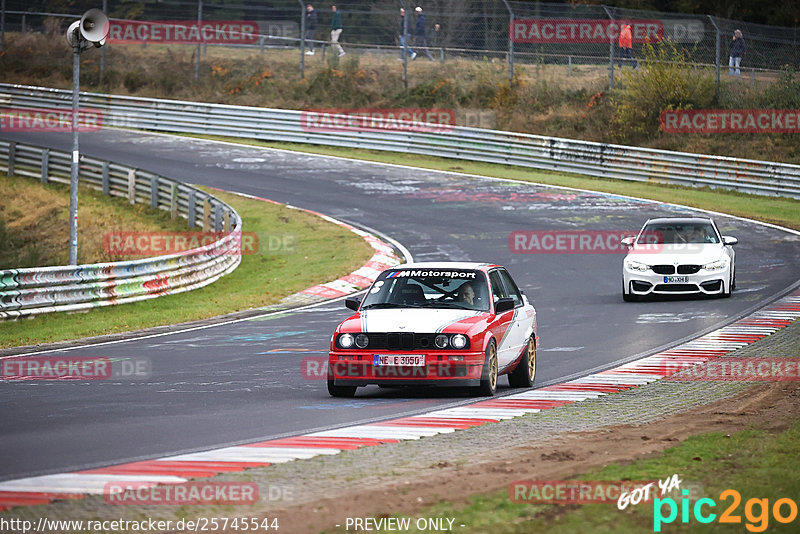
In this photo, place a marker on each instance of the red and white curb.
(179, 469)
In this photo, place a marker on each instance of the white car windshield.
(429, 288)
(673, 233)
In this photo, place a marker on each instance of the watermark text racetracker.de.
(118, 243)
(139, 526)
(587, 242)
(730, 121)
(428, 120)
(75, 368)
(183, 31)
(49, 120)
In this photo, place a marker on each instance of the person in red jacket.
(626, 45)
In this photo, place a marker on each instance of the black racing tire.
(488, 385)
(727, 294)
(524, 373)
(347, 392)
(628, 297)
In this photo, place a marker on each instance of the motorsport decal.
(448, 274)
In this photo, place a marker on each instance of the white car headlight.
(636, 266)
(346, 341)
(459, 341)
(716, 265)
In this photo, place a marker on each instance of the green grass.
(757, 464)
(776, 210)
(322, 252)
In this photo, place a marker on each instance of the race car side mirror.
(728, 240)
(353, 303)
(627, 241)
(503, 305)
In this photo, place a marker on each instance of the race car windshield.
(677, 233)
(429, 288)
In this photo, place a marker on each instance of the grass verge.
(34, 228)
(318, 252)
(755, 463)
(775, 210)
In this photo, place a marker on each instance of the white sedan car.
(678, 256)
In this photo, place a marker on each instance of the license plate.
(409, 360)
(676, 279)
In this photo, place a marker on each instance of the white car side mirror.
(728, 240)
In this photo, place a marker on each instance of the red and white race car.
(442, 324)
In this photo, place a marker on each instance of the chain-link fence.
(498, 30)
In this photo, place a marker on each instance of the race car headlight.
(636, 266)
(346, 341)
(716, 265)
(362, 340)
(458, 341)
(441, 341)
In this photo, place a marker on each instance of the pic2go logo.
(756, 511)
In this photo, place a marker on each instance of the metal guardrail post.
(154, 192)
(173, 201)
(132, 186)
(45, 164)
(105, 182)
(192, 216)
(12, 154)
(217, 217)
(226, 221)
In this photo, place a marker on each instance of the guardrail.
(68, 288)
(539, 152)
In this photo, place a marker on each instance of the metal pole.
(2, 25)
(73, 180)
(718, 58)
(302, 38)
(103, 49)
(404, 39)
(510, 43)
(200, 32)
(610, 53)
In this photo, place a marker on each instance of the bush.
(664, 81)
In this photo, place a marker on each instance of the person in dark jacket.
(336, 29)
(737, 51)
(421, 33)
(311, 28)
(404, 34)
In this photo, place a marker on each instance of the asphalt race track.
(242, 382)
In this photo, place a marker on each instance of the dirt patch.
(771, 407)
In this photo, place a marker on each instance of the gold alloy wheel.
(492, 366)
(531, 359)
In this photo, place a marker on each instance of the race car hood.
(686, 254)
(414, 319)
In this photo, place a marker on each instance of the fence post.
(190, 216)
(154, 192)
(105, 180)
(226, 221)
(173, 201)
(12, 149)
(132, 186)
(510, 43)
(3, 26)
(45, 164)
(610, 53)
(302, 38)
(103, 48)
(718, 58)
(200, 32)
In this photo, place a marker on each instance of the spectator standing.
(336, 29)
(404, 34)
(737, 51)
(626, 46)
(421, 33)
(311, 28)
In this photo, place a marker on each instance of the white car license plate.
(676, 279)
(410, 360)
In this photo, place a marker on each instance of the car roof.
(683, 220)
(446, 265)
